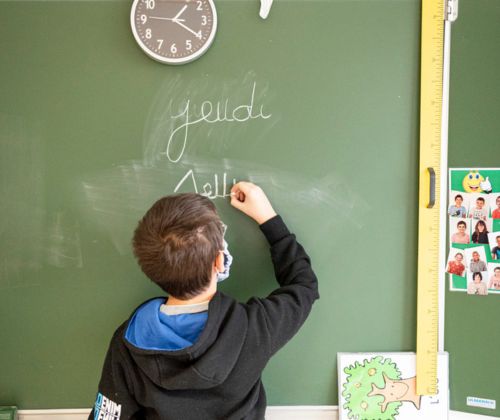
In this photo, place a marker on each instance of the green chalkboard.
(474, 142)
(91, 134)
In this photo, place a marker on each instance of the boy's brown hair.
(177, 241)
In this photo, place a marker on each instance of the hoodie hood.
(197, 366)
(151, 329)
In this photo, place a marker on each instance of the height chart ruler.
(432, 187)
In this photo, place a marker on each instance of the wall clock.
(174, 31)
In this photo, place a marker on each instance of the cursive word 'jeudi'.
(210, 113)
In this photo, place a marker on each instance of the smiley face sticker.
(472, 182)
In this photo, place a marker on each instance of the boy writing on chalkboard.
(199, 354)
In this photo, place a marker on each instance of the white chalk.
(265, 7)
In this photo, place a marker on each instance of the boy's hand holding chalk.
(251, 200)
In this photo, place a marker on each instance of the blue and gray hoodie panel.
(155, 326)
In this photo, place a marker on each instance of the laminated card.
(382, 386)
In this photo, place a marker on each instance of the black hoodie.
(219, 376)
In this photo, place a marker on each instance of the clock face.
(174, 31)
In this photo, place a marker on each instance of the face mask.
(228, 260)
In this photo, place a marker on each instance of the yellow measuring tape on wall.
(431, 96)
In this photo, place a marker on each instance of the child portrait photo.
(475, 236)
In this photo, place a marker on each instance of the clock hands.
(176, 17)
(164, 18)
(198, 35)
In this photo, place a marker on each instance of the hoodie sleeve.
(284, 311)
(114, 399)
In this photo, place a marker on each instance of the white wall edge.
(291, 412)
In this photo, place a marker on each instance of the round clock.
(174, 31)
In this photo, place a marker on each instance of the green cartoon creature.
(374, 390)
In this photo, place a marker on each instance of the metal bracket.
(451, 12)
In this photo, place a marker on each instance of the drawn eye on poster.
(382, 386)
(474, 230)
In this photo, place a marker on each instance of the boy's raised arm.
(284, 311)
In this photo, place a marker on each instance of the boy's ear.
(219, 262)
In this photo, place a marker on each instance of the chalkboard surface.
(474, 142)
(318, 104)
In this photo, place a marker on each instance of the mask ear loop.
(228, 258)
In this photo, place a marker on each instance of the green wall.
(85, 118)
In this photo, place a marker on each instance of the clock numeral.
(198, 35)
(199, 6)
(144, 19)
(148, 33)
(189, 45)
(150, 4)
(203, 20)
(160, 43)
(173, 49)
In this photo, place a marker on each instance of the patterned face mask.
(228, 260)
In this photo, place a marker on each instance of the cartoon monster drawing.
(375, 390)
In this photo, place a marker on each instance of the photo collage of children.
(474, 231)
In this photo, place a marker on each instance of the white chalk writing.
(210, 113)
(208, 190)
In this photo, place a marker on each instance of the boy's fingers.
(236, 203)
(237, 194)
(242, 186)
(236, 186)
(241, 190)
